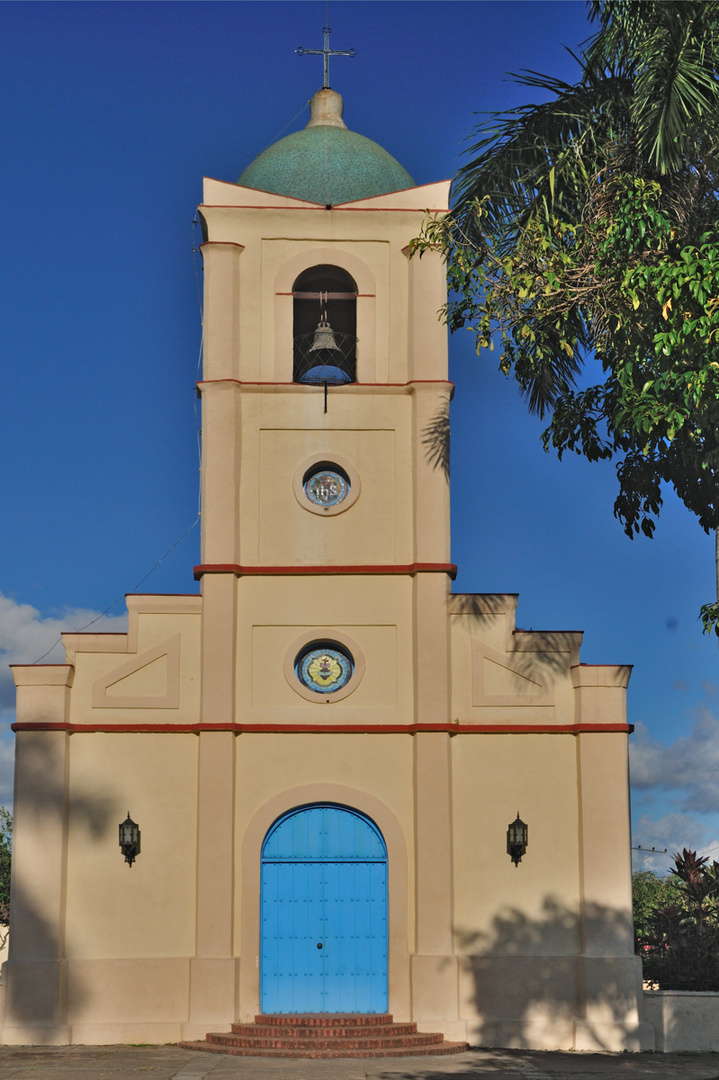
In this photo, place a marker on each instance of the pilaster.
(430, 440)
(432, 690)
(215, 801)
(215, 848)
(36, 1001)
(221, 454)
(610, 1002)
(427, 332)
(221, 321)
(434, 967)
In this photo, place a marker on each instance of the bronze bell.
(324, 337)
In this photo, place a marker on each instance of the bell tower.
(325, 499)
(325, 562)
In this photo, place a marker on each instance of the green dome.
(325, 163)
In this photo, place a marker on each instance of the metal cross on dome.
(326, 52)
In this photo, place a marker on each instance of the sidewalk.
(172, 1063)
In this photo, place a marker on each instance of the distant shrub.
(676, 921)
(5, 863)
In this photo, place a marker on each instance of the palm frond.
(515, 152)
(669, 50)
(676, 82)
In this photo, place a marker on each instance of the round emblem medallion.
(324, 668)
(326, 487)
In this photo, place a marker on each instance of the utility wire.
(198, 373)
(698, 793)
(195, 249)
(284, 129)
(179, 540)
(120, 598)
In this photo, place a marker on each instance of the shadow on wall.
(34, 980)
(553, 651)
(435, 439)
(531, 971)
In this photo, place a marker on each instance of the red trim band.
(361, 385)
(274, 571)
(347, 207)
(333, 729)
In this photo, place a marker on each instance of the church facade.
(324, 747)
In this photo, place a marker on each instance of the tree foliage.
(588, 226)
(650, 894)
(676, 921)
(5, 864)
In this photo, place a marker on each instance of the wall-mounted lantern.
(129, 839)
(517, 836)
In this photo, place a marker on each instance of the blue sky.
(111, 114)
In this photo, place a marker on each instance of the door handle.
(319, 944)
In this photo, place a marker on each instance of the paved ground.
(171, 1063)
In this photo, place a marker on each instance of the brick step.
(352, 1043)
(322, 1035)
(436, 1050)
(325, 1031)
(323, 1019)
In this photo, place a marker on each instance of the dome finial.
(326, 52)
(326, 108)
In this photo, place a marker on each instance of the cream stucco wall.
(273, 617)
(160, 679)
(147, 910)
(498, 905)
(465, 923)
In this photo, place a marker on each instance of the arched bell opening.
(324, 329)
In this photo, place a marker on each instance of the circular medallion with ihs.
(326, 487)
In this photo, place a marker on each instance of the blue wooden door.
(323, 944)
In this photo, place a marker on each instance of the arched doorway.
(323, 934)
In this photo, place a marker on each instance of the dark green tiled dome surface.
(325, 163)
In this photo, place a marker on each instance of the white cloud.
(25, 635)
(7, 763)
(689, 766)
(684, 776)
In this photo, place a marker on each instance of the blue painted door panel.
(355, 952)
(292, 965)
(324, 883)
(324, 832)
